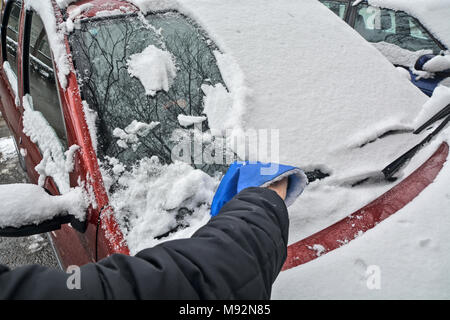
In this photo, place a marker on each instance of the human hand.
(280, 187)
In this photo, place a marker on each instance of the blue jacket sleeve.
(237, 255)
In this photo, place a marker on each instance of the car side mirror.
(422, 60)
(27, 209)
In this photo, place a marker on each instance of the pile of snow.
(130, 135)
(56, 162)
(433, 14)
(26, 204)
(155, 68)
(399, 56)
(438, 63)
(148, 198)
(7, 149)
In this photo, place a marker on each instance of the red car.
(60, 96)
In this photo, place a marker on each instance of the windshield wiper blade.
(397, 164)
(441, 114)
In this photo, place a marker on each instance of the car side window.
(396, 27)
(42, 83)
(12, 35)
(338, 7)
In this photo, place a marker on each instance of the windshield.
(396, 27)
(134, 122)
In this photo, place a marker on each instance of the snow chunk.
(148, 199)
(155, 68)
(187, 121)
(70, 157)
(130, 134)
(54, 162)
(318, 248)
(437, 64)
(25, 204)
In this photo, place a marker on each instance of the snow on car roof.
(433, 14)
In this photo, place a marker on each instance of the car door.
(39, 81)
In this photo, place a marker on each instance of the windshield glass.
(396, 27)
(133, 121)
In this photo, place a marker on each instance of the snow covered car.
(102, 96)
(403, 31)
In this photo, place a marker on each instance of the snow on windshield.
(155, 68)
(154, 201)
(150, 74)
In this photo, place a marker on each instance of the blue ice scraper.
(241, 175)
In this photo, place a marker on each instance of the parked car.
(88, 70)
(401, 37)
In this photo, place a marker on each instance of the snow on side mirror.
(27, 209)
(422, 60)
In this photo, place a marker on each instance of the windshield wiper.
(393, 167)
(441, 114)
(387, 174)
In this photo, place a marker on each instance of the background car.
(400, 36)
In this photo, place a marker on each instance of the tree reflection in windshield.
(101, 50)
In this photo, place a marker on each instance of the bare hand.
(280, 187)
